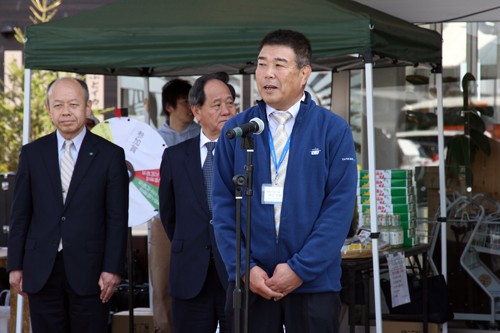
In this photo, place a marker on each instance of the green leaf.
(481, 141)
(452, 116)
(485, 110)
(474, 122)
(460, 149)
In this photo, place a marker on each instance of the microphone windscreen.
(260, 123)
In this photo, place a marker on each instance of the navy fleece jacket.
(318, 202)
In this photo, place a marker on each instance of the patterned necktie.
(280, 139)
(67, 166)
(208, 172)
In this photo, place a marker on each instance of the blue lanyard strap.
(273, 151)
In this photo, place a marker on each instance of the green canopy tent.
(190, 37)
(193, 37)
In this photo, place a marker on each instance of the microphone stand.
(247, 142)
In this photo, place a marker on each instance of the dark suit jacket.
(187, 220)
(92, 223)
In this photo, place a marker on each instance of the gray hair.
(197, 94)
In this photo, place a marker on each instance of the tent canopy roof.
(189, 37)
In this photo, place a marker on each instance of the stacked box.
(387, 174)
(388, 209)
(409, 237)
(386, 183)
(395, 196)
(407, 219)
(388, 199)
(384, 191)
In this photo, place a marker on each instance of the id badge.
(272, 195)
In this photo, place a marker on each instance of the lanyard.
(273, 151)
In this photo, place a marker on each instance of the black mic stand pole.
(239, 181)
(247, 142)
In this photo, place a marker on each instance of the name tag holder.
(272, 194)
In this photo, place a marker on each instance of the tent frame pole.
(146, 99)
(27, 106)
(373, 199)
(26, 139)
(442, 184)
(147, 121)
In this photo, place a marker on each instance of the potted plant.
(462, 148)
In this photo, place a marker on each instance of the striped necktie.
(280, 139)
(208, 172)
(67, 166)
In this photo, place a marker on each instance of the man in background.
(64, 254)
(304, 185)
(198, 278)
(178, 127)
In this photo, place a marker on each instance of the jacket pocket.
(176, 245)
(95, 246)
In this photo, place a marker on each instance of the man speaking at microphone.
(305, 160)
(198, 278)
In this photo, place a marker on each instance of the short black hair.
(197, 94)
(295, 40)
(82, 83)
(172, 91)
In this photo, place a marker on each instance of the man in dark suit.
(198, 278)
(68, 227)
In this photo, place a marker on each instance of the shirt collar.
(204, 139)
(294, 109)
(77, 141)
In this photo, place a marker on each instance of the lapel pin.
(91, 153)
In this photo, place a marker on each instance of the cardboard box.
(386, 183)
(387, 174)
(406, 218)
(143, 321)
(389, 209)
(387, 199)
(393, 191)
(409, 327)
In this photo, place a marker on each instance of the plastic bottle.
(401, 230)
(366, 223)
(397, 230)
(393, 232)
(382, 228)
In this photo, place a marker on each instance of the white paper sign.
(399, 282)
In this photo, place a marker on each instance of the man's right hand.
(258, 278)
(16, 281)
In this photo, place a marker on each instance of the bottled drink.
(366, 223)
(397, 230)
(401, 230)
(382, 228)
(393, 232)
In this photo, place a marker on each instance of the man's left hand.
(284, 280)
(108, 283)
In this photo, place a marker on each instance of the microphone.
(255, 126)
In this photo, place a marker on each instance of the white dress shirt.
(203, 148)
(294, 110)
(75, 148)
